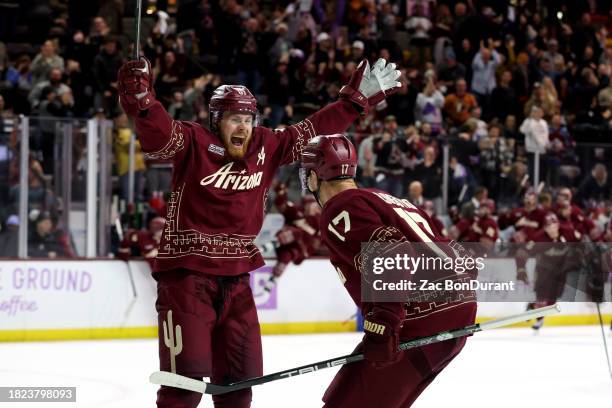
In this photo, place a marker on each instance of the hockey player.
(526, 220)
(144, 242)
(352, 216)
(207, 319)
(580, 221)
(298, 239)
(554, 260)
(485, 226)
(462, 230)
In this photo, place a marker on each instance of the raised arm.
(366, 88)
(160, 136)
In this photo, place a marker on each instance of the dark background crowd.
(506, 85)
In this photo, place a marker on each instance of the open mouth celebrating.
(238, 141)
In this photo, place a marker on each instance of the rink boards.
(58, 300)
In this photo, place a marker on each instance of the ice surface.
(560, 367)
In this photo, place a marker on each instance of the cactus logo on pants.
(173, 339)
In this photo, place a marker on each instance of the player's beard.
(237, 152)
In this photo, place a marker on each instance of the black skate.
(538, 324)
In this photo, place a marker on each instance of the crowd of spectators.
(505, 85)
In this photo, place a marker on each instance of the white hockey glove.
(369, 87)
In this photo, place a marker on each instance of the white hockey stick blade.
(177, 381)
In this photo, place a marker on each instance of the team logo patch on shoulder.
(216, 149)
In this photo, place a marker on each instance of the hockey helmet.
(330, 157)
(231, 98)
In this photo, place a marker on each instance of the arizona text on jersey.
(206, 183)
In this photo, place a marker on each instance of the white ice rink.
(506, 368)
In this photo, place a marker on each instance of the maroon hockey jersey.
(529, 222)
(216, 207)
(143, 243)
(358, 216)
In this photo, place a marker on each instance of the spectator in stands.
(52, 105)
(55, 82)
(413, 148)
(46, 241)
(122, 154)
(415, 193)
(9, 238)
(596, 188)
(504, 98)
(278, 89)
(429, 103)
(560, 150)
(390, 152)
(604, 97)
(81, 50)
(45, 61)
(281, 46)
(112, 13)
(105, 67)
(19, 80)
(457, 105)
(465, 147)
(584, 93)
(535, 130)
(402, 103)
(170, 77)
(39, 196)
(181, 109)
(513, 186)
(563, 68)
(521, 77)
(461, 182)
(366, 160)
(357, 52)
(387, 24)
(451, 71)
(484, 65)
(553, 55)
(429, 174)
(481, 126)
(249, 60)
(418, 27)
(495, 159)
(99, 32)
(510, 129)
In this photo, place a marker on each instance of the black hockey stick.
(179, 381)
(603, 334)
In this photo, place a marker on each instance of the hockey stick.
(186, 383)
(603, 334)
(128, 310)
(137, 38)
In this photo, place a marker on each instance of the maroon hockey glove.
(351, 92)
(381, 338)
(135, 83)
